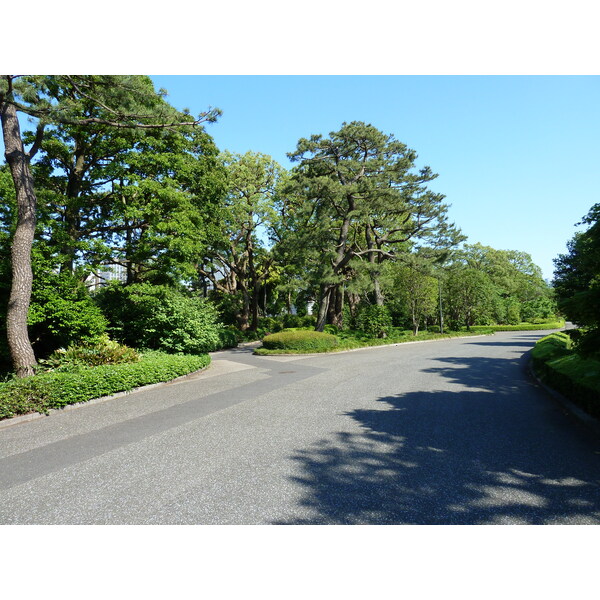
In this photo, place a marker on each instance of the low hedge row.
(520, 327)
(300, 340)
(564, 370)
(55, 389)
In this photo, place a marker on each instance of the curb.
(33, 416)
(588, 421)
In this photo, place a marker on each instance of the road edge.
(35, 415)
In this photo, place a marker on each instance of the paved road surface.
(431, 433)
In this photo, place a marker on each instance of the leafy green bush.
(91, 354)
(270, 324)
(520, 327)
(160, 318)
(61, 313)
(374, 320)
(552, 346)
(57, 389)
(513, 313)
(300, 340)
(227, 337)
(576, 377)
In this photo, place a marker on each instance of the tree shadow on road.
(494, 451)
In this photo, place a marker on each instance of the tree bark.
(21, 351)
(323, 307)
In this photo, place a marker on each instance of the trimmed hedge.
(55, 389)
(520, 327)
(567, 372)
(307, 341)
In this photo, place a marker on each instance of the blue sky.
(517, 156)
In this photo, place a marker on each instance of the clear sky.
(517, 156)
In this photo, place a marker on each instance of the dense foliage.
(160, 318)
(306, 341)
(577, 377)
(211, 247)
(577, 283)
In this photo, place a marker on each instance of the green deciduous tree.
(119, 102)
(577, 281)
(240, 263)
(469, 295)
(417, 291)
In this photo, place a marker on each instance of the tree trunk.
(337, 316)
(243, 316)
(323, 307)
(379, 299)
(254, 305)
(19, 345)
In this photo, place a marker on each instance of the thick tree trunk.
(336, 306)
(243, 316)
(379, 298)
(19, 345)
(323, 307)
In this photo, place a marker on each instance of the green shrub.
(91, 354)
(300, 340)
(374, 320)
(62, 313)
(576, 377)
(513, 313)
(160, 318)
(520, 327)
(57, 389)
(552, 346)
(228, 337)
(270, 324)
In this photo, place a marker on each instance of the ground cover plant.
(58, 388)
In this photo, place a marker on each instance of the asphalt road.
(445, 432)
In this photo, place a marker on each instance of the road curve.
(445, 432)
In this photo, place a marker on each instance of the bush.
(563, 369)
(552, 346)
(55, 390)
(270, 324)
(228, 338)
(160, 318)
(306, 341)
(91, 354)
(62, 313)
(374, 320)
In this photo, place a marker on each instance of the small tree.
(418, 292)
(469, 295)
